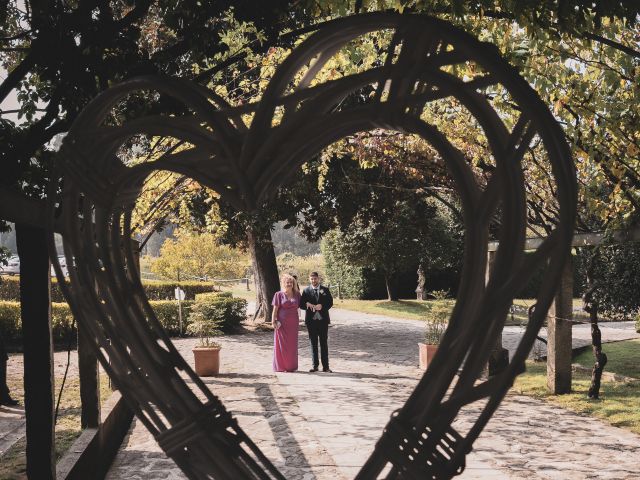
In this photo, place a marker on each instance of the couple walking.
(315, 300)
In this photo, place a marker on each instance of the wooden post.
(35, 309)
(499, 357)
(89, 381)
(559, 342)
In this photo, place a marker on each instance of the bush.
(10, 321)
(62, 320)
(159, 290)
(225, 312)
(203, 326)
(62, 325)
(167, 313)
(213, 295)
(10, 290)
(437, 318)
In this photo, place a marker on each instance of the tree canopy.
(200, 257)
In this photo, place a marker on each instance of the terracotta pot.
(207, 360)
(427, 352)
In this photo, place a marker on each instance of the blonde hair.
(284, 278)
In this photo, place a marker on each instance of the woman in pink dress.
(285, 325)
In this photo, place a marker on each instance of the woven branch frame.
(94, 201)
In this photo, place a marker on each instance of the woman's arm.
(274, 316)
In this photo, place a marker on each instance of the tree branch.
(16, 75)
(612, 44)
(18, 208)
(136, 14)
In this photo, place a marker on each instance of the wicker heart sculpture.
(296, 118)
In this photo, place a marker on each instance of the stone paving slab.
(324, 426)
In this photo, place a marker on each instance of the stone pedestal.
(559, 342)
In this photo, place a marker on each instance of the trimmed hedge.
(213, 295)
(167, 313)
(62, 320)
(10, 290)
(226, 311)
(159, 290)
(11, 324)
(155, 290)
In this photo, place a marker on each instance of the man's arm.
(303, 300)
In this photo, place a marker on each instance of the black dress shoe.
(314, 369)
(9, 402)
(328, 370)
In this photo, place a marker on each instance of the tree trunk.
(392, 290)
(265, 269)
(35, 307)
(591, 306)
(600, 356)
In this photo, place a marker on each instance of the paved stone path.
(581, 335)
(323, 426)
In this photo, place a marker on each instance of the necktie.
(316, 292)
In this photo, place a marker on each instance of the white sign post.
(179, 294)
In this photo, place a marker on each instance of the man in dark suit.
(316, 300)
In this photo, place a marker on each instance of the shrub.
(437, 318)
(155, 289)
(213, 295)
(62, 319)
(167, 313)
(226, 312)
(10, 321)
(62, 326)
(159, 290)
(10, 290)
(203, 326)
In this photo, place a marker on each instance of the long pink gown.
(285, 338)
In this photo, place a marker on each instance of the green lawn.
(412, 309)
(618, 403)
(240, 290)
(418, 309)
(622, 358)
(13, 464)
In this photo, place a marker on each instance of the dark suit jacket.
(326, 300)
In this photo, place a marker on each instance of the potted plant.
(207, 353)
(435, 326)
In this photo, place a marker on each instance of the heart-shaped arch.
(245, 163)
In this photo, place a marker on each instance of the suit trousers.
(319, 331)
